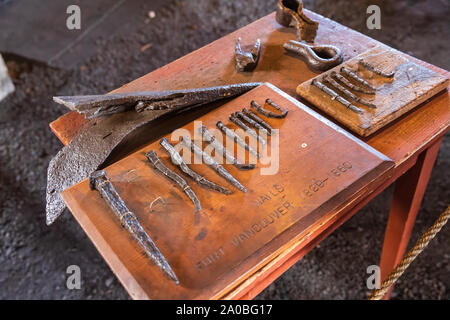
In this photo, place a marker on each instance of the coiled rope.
(421, 244)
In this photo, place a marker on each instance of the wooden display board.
(411, 85)
(320, 168)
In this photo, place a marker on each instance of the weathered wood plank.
(410, 86)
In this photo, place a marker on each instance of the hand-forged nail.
(222, 150)
(153, 158)
(209, 161)
(178, 161)
(346, 82)
(254, 117)
(352, 75)
(255, 105)
(370, 67)
(233, 118)
(99, 181)
(335, 85)
(231, 134)
(251, 122)
(334, 96)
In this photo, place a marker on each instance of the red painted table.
(412, 141)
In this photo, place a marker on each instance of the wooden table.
(412, 141)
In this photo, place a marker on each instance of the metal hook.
(319, 57)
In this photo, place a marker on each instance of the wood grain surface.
(411, 85)
(320, 167)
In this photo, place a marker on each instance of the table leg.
(408, 194)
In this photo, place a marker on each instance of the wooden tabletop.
(214, 65)
(306, 170)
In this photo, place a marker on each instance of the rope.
(411, 255)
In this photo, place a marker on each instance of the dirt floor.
(34, 257)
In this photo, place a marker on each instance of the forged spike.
(334, 96)
(255, 105)
(344, 81)
(221, 149)
(251, 122)
(233, 118)
(210, 162)
(335, 85)
(157, 163)
(231, 134)
(352, 75)
(254, 117)
(373, 69)
(99, 181)
(178, 161)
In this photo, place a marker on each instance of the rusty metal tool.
(231, 134)
(210, 162)
(335, 96)
(178, 161)
(318, 57)
(99, 181)
(260, 121)
(335, 85)
(251, 122)
(234, 118)
(375, 70)
(92, 146)
(346, 82)
(255, 105)
(352, 75)
(209, 137)
(247, 60)
(161, 167)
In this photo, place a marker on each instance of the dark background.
(34, 257)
